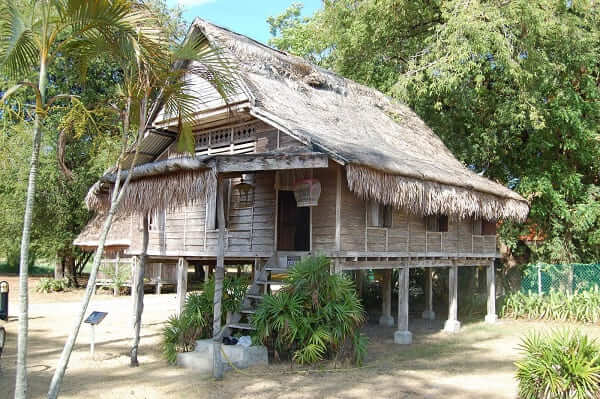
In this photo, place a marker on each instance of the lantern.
(245, 191)
(307, 192)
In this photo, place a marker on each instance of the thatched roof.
(118, 237)
(391, 155)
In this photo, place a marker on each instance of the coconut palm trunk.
(138, 299)
(21, 378)
(117, 195)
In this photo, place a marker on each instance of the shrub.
(565, 364)
(119, 276)
(195, 321)
(581, 306)
(316, 315)
(48, 285)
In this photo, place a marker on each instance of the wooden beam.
(268, 161)
(391, 264)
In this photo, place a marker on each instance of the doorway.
(293, 224)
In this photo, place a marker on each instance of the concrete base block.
(428, 315)
(403, 337)
(201, 360)
(452, 326)
(386, 321)
(197, 361)
(491, 318)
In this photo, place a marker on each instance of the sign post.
(93, 319)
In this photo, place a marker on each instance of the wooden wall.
(251, 226)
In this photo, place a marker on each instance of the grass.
(42, 269)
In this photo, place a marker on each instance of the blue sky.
(248, 17)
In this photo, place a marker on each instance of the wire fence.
(543, 277)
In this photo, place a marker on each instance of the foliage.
(511, 87)
(118, 276)
(48, 285)
(195, 321)
(82, 134)
(564, 364)
(582, 306)
(316, 315)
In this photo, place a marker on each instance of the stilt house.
(307, 163)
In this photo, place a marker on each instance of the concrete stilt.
(491, 316)
(386, 319)
(428, 313)
(452, 325)
(402, 336)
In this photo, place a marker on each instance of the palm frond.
(18, 50)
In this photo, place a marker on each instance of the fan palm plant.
(315, 315)
(33, 33)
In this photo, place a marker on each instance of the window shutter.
(489, 228)
(373, 214)
(477, 227)
(432, 223)
(211, 209)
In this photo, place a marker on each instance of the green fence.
(542, 277)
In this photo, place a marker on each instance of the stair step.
(241, 326)
(255, 296)
(248, 311)
(270, 282)
(276, 270)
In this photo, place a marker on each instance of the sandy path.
(476, 363)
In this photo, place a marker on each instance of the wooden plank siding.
(336, 231)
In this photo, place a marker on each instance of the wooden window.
(437, 223)
(488, 228)
(477, 227)
(379, 215)
(212, 217)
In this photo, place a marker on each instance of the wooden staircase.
(265, 276)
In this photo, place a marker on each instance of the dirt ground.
(475, 363)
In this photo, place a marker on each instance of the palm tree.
(33, 33)
(151, 80)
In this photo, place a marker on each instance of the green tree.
(510, 86)
(32, 35)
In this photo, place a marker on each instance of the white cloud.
(194, 2)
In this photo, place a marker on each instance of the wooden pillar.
(452, 325)
(491, 316)
(403, 336)
(360, 282)
(218, 367)
(386, 319)
(159, 282)
(428, 313)
(182, 269)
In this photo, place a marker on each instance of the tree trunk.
(219, 276)
(70, 268)
(21, 377)
(138, 296)
(59, 269)
(59, 373)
